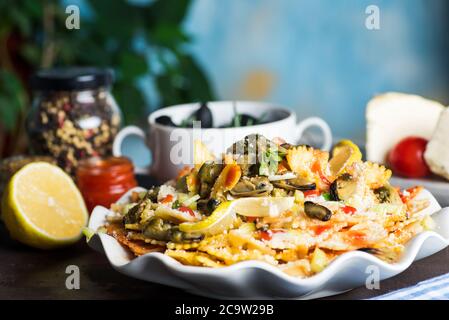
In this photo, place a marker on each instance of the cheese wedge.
(437, 151)
(392, 116)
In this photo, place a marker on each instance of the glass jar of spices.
(74, 115)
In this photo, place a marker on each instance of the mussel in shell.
(295, 184)
(258, 186)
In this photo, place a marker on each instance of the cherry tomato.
(407, 158)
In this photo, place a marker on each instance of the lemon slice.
(43, 208)
(344, 154)
(220, 220)
(201, 154)
(263, 206)
(347, 143)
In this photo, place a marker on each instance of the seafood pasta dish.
(291, 206)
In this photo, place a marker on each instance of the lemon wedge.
(43, 208)
(201, 154)
(263, 206)
(344, 154)
(223, 216)
(220, 220)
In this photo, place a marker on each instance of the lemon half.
(43, 208)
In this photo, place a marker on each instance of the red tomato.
(407, 158)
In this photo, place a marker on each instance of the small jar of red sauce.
(102, 181)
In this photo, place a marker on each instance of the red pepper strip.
(319, 229)
(251, 219)
(413, 192)
(316, 168)
(310, 193)
(187, 209)
(266, 235)
(349, 209)
(167, 199)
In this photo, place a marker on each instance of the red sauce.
(104, 181)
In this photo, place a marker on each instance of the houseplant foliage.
(137, 39)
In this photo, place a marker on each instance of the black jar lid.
(71, 78)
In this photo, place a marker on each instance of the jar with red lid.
(104, 181)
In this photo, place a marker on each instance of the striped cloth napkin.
(432, 289)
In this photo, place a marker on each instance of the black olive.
(166, 121)
(316, 211)
(204, 115)
(207, 206)
(212, 204)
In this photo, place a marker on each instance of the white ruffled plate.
(259, 280)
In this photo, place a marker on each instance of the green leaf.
(327, 196)
(168, 11)
(132, 65)
(8, 113)
(130, 101)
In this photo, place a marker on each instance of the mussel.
(162, 230)
(252, 187)
(207, 175)
(343, 187)
(295, 184)
(388, 194)
(316, 211)
(133, 215)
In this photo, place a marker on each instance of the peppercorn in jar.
(74, 115)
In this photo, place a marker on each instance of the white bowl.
(259, 280)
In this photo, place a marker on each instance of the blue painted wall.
(317, 57)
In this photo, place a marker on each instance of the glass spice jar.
(74, 115)
(104, 181)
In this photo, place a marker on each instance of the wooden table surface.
(27, 273)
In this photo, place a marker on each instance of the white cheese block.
(437, 151)
(392, 116)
